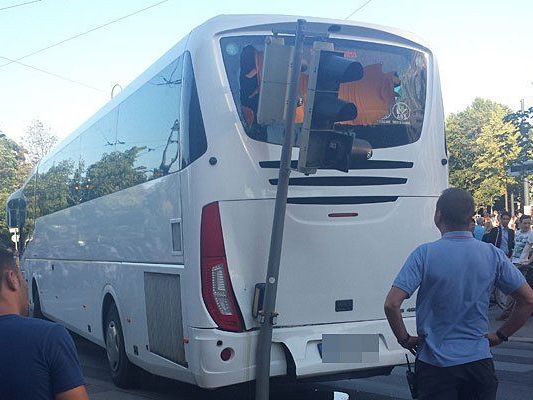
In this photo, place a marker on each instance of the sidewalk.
(525, 334)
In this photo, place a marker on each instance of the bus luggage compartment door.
(332, 269)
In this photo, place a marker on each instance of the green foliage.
(68, 183)
(482, 144)
(522, 122)
(113, 172)
(13, 171)
(53, 191)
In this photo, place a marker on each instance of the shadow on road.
(94, 364)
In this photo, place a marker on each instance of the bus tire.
(37, 312)
(123, 373)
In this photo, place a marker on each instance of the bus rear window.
(390, 98)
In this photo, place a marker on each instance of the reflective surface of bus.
(148, 228)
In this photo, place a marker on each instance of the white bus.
(148, 228)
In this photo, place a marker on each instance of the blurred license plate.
(349, 348)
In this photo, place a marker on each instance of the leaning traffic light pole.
(268, 314)
(322, 145)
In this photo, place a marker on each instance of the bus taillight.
(217, 290)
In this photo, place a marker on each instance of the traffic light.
(321, 147)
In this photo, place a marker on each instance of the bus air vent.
(163, 312)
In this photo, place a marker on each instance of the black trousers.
(471, 381)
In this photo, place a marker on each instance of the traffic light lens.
(329, 109)
(335, 69)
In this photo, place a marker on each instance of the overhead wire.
(358, 9)
(17, 60)
(19, 5)
(53, 74)
(83, 33)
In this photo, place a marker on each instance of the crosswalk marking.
(512, 367)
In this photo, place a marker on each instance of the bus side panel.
(132, 225)
(106, 246)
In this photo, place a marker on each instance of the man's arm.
(519, 315)
(393, 303)
(525, 259)
(78, 393)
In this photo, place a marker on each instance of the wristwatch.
(501, 336)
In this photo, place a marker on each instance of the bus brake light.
(217, 290)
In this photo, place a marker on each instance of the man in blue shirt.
(454, 277)
(479, 229)
(38, 359)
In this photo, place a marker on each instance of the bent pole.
(267, 319)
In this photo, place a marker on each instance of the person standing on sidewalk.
(38, 360)
(522, 254)
(479, 229)
(454, 277)
(501, 236)
(521, 257)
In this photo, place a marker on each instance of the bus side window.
(193, 139)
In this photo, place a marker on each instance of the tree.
(113, 172)
(499, 142)
(522, 122)
(480, 145)
(38, 141)
(13, 171)
(462, 130)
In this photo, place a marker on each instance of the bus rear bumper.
(294, 353)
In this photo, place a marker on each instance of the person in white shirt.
(522, 256)
(523, 242)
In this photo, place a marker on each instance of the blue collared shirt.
(479, 231)
(455, 276)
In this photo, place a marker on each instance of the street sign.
(519, 169)
(15, 238)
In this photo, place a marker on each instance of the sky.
(482, 47)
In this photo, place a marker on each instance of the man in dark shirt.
(501, 236)
(38, 359)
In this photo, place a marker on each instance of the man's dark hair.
(524, 217)
(7, 261)
(505, 213)
(456, 207)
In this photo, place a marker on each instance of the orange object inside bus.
(373, 95)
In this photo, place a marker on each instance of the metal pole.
(268, 317)
(526, 192)
(526, 182)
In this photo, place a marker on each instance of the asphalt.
(513, 363)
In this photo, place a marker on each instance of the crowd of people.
(484, 221)
(512, 235)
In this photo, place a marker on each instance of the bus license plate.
(349, 348)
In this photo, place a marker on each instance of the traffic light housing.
(321, 147)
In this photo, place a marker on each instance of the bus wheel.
(37, 313)
(124, 374)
